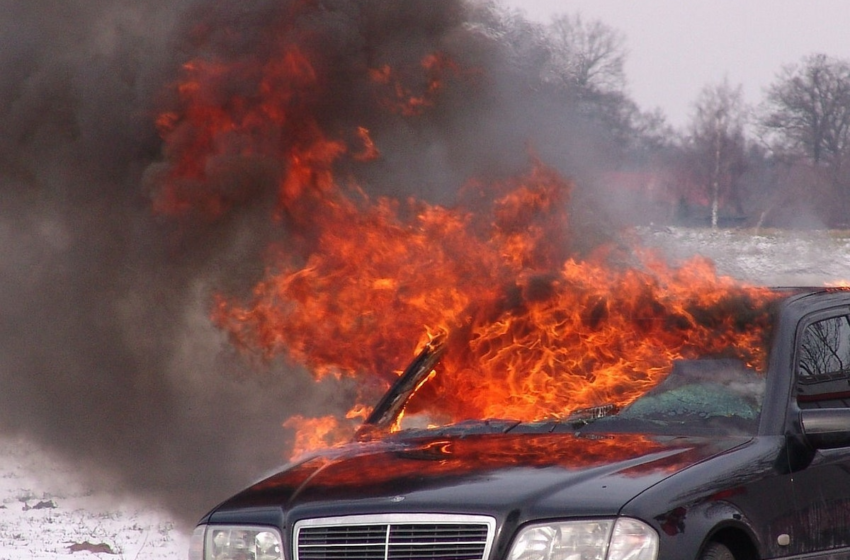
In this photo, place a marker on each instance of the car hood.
(536, 473)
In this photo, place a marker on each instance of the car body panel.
(539, 471)
(771, 494)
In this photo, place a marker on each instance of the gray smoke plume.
(107, 354)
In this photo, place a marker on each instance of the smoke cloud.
(107, 354)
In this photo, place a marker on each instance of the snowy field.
(46, 514)
(770, 257)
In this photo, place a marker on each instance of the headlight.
(633, 540)
(601, 539)
(235, 542)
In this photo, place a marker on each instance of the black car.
(717, 461)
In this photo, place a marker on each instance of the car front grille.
(395, 537)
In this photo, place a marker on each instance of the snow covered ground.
(45, 513)
(769, 257)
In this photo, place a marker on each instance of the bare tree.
(806, 121)
(717, 144)
(807, 111)
(587, 56)
(523, 43)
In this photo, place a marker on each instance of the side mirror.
(826, 428)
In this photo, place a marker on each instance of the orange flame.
(535, 331)
(411, 101)
(314, 433)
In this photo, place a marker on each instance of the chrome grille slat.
(395, 537)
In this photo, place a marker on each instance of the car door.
(821, 483)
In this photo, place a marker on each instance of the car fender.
(687, 529)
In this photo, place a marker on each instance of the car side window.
(823, 372)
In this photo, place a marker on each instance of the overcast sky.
(676, 47)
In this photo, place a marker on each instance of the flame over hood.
(360, 283)
(349, 178)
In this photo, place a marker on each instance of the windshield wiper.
(461, 429)
(584, 416)
(393, 401)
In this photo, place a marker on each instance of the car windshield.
(711, 397)
(695, 388)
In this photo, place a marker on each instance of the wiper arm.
(584, 416)
(393, 401)
(462, 429)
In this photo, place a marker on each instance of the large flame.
(536, 330)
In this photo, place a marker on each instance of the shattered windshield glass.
(699, 397)
(692, 389)
(718, 397)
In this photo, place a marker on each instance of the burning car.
(723, 450)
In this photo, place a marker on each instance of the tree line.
(782, 163)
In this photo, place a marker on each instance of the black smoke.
(107, 353)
